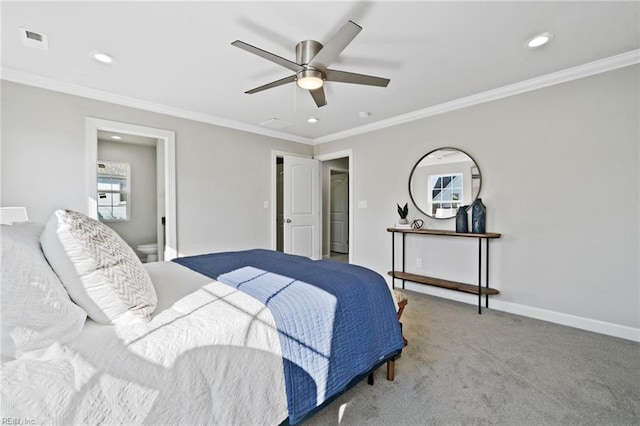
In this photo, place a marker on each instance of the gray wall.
(560, 169)
(560, 178)
(223, 175)
(141, 227)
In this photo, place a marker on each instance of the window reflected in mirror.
(446, 192)
(114, 184)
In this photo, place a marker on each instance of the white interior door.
(339, 213)
(302, 212)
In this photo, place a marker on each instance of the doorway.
(343, 166)
(163, 142)
(338, 211)
(128, 192)
(337, 199)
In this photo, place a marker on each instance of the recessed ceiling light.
(539, 40)
(313, 120)
(103, 57)
(364, 114)
(116, 137)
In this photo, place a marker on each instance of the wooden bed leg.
(391, 370)
(370, 379)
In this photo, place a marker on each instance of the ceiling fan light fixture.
(309, 79)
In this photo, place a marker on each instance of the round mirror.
(442, 181)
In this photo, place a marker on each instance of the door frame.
(167, 140)
(348, 153)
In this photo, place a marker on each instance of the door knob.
(288, 220)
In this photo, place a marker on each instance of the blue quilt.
(336, 321)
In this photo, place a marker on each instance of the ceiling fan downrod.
(306, 50)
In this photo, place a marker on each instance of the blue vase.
(462, 221)
(478, 217)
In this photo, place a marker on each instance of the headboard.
(10, 215)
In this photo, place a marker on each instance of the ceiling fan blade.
(276, 83)
(268, 55)
(335, 46)
(349, 77)
(319, 97)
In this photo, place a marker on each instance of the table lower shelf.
(439, 282)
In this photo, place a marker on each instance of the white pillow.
(99, 270)
(36, 309)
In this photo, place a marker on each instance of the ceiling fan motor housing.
(308, 78)
(306, 50)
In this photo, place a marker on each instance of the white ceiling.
(177, 57)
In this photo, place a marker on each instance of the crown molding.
(73, 89)
(596, 67)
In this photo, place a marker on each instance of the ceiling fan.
(312, 62)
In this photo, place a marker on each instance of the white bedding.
(210, 355)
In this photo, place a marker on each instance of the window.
(445, 194)
(114, 184)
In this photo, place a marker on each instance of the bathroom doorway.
(128, 191)
(149, 155)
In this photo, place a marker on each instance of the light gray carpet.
(462, 368)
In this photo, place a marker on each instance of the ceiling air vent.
(275, 123)
(34, 39)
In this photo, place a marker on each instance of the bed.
(250, 337)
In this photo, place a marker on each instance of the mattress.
(186, 366)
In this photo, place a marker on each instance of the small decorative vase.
(403, 221)
(462, 221)
(478, 217)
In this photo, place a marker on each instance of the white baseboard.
(582, 323)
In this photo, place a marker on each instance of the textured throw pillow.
(36, 309)
(99, 270)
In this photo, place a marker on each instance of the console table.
(439, 282)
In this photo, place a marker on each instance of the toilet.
(150, 250)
